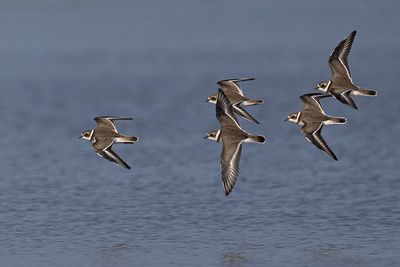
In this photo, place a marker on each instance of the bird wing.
(113, 157)
(224, 111)
(345, 98)
(312, 132)
(102, 144)
(230, 158)
(242, 112)
(311, 101)
(338, 58)
(232, 85)
(107, 121)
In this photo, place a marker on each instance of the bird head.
(293, 117)
(212, 99)
(323, 86)
(86, 135)
(213, 135)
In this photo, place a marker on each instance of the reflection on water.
(331, 256)
(116, 255)
(233, 259)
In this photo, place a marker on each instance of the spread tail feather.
(365, 92)
(256, 139)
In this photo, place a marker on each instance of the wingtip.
(333, 156)
(237, 80)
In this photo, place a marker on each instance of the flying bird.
(236, 97)
(312, 118)
(232, 137)
(341, 85)
(105, 135)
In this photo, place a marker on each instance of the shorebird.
(232, 137)
(236, 97)
(341, 85)
(312, 118)
(105, 135)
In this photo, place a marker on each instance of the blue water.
(63, 63)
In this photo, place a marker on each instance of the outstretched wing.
(312, 133)
(230, 158)
(345, 98)
(242, 112)
(338, 58)
(107, 121)
(224, 111)
(232, 85)
(311, 101)
(113, 157)
(102, 144)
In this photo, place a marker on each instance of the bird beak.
(316, 88)
(80, 137)
(205, 137)
(286, 119)
(207, 100)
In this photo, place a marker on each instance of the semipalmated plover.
(312, 118)
(236, 97)
(105, 135)
(231, 136)
(341, 86)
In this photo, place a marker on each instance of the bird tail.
(256, 139)
(365, 92)
(337, 120)
(126, 139)
(252, 102)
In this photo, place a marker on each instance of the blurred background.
(62, 63)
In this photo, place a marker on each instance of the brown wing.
(102, 144)
(232, 85)
(107, 121)
(312, 133)
(311, 101)
(340, 76)
(230, 159)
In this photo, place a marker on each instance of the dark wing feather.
(242, 112)
(230, 158)
(312, 133)
(340, 54)
(345, 98)
(224, 111)
(113, 157)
